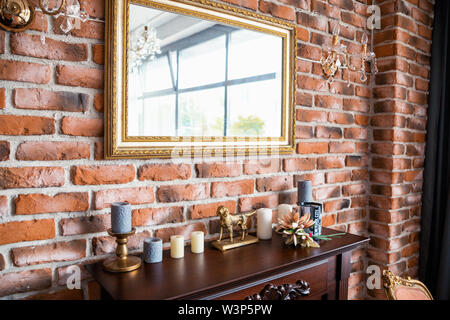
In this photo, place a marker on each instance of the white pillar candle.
(177, 246)
(197, 241)
(264, 224)
(284, 209)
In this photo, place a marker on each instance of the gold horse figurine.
(227, 221)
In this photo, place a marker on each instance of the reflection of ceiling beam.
(169, 27)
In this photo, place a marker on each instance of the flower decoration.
(295, 228)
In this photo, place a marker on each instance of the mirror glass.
(194, 77)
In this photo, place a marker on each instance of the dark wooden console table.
(237, 273)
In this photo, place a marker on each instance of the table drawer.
(316, 276)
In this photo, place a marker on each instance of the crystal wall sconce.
(336, 57)
(146, 46)
(18, 15)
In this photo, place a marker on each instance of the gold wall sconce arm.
(19, 15)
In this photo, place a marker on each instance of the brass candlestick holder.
(123, 262)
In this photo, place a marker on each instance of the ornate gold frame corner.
(391, 282)
(115, 97)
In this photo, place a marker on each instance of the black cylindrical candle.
(304, 191)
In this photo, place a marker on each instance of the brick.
(275, 183)
(15, 125)
(348, 216)
(98, 53)
(329, 102)
(342, 147)
(328, 220)
(90, 29)
(326, 193)
(98, 150)
(387, 148)
(55, 252)
(336, 205)
(79, 77)
(40, 99)
(107, 245)
(142, 195)
(262, 166)
(356, 161)
(2, 42)
(24, 71)
(156, 216)
(304, 99)
(312, 21)
(82, 127)
(309, 83)
(52, 151)
(250, 4)
(311, 115)
(200, 211)
(353, 189)
(312, 147)
(217, 169)
(4, 206)
(316, 178)
(186, 192)
(278, 11)
(341, 118)
(2, 98)
(40, 22)
(232, 188)
(323, 8)
(31, 177)
(249, 203)
(62, 202)
(328, 132)
(20, 231)
(25, 281)
(304, 132)
(99, 102)
(309, 52)
(337, 176)
(94, 8)
(67, 271)
(164, 172)
(299, 164)
(302, 34)
(85, 225)
(31, 45)
(5, 150)
(356, 133)
(185, 231)
(330, 162)
(94, 175)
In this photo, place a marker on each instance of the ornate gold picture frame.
(118, 144)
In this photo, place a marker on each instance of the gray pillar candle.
(304, 191)
(153, 249)
(121, 217)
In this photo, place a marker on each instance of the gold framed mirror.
(197, 78)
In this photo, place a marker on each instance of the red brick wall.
(364, 155)
(403, 46)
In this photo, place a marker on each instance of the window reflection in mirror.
(202, 78)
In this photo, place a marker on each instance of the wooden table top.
(197, 275)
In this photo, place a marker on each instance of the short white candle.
(197, 241)
(264, 224)
(177, 246)
(284, 209)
